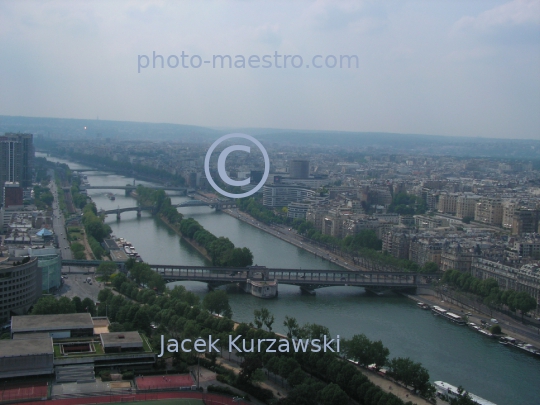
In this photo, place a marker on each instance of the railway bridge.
(307, 279)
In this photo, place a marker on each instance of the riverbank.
(292, 240)
(477, 317)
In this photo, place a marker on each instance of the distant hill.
(63, 127)
(372, 142)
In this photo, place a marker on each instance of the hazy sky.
(463, 68)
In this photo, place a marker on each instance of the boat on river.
(448, 315)
(448, 391)
(479, 329)
(518, 344)
(422, 305)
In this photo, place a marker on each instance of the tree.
(332, 394)
(78, 304)
(217, 302)
(89, 306)
(248, 368)
(292, 327)
(524, 302)
(430, 267)
(106, 269)
(263, 316)
(65, 306)
(366, 352)
(411, 374)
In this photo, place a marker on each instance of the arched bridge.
(218, 205)
(129, 189)
(169, 188)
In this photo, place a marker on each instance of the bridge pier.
(118, 216)
(139, 213)
(307, 290)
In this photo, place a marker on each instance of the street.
(75, 285)
(58, 222)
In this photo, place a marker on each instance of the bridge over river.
(216, 204)
(308, 280)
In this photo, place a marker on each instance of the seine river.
(451, 353)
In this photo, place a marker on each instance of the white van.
(493, 320)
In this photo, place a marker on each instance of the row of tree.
(365, 244)
(43, 197)
(48, 304)
(490, 292)
(95, 229)
(221, 250)
(126, 166)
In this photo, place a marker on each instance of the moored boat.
(448, 315)
(422, 305)
(448, 391)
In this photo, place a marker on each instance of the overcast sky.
(462, 68)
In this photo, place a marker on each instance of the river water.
(451, 353)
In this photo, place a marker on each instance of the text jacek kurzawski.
(241, 345)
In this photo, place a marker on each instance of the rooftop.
(51, 322)
(26, 347)
(121, 338)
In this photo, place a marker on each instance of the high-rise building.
(299, 169)
(16, 160)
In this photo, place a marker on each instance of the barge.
(448, 391)
(448, 315)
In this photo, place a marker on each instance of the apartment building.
(525, 221)
(489, 211)
(280, 195)
(447, 203)
(466, 206)
(526, 278)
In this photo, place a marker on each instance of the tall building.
(16, 160)
(299, 169)
(20, 286)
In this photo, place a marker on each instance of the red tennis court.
(23, 391)
(168, 381)
(209, 399)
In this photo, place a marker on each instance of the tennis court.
(176, 401)
(164, 382)
(23, 391)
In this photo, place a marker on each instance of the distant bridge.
(129, 189)
(218, 205)
(308, 280)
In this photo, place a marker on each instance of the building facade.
(280, 195)
(20, 287)
(16, 160)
